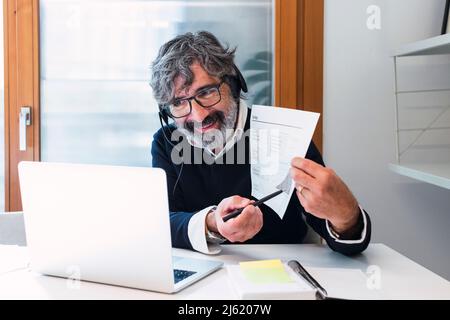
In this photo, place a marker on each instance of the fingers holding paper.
(323, 194)
(243, 227)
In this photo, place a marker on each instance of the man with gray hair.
(205, 154)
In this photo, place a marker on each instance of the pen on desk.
(298, 268)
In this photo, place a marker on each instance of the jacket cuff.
(363, 233)
(197, 234)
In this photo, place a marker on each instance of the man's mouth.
(207, 126)
(212, 121)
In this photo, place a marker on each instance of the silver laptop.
(105, 224)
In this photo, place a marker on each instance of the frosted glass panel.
(96, 103)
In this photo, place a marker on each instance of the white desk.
(401, 278)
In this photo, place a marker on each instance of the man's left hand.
(323, 194)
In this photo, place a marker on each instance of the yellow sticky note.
(265, 271)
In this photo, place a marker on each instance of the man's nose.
(198, 113)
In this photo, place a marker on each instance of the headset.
(237, 84)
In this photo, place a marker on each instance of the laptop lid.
(107, 224)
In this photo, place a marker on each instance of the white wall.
(359, 121)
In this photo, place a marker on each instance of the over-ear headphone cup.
(240, 79)
(236, 82)
(164, 115)
(235, 87)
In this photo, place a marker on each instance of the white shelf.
(437, 174)
(431, 46)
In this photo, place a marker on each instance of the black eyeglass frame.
(194, 97)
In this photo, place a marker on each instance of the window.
(96, 103)
(82, 66)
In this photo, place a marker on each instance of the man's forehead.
(200, 78)
(181, 87)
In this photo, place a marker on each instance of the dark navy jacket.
(203, 185)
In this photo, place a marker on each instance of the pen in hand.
(284, 186)
(237, 212)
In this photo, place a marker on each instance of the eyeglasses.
(206, 98)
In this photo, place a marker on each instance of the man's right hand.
(245, 226)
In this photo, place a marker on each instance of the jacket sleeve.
(319, 225)
(179, 220)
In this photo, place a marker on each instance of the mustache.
(210, 119)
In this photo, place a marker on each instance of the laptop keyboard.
(182, 274)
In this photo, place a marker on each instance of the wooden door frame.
(21, 39)
(298, 73)
(299, 26)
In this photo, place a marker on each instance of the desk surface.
(401, 278)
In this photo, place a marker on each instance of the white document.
(276, 136)
(346, 283)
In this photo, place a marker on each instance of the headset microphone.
(163, 117)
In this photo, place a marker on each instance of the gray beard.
(215, 138)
